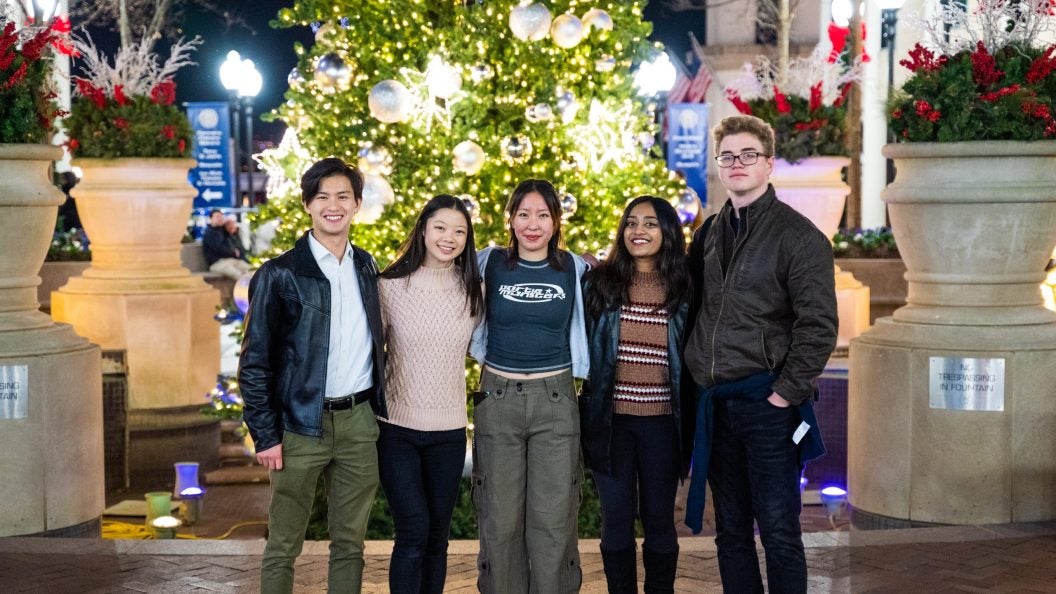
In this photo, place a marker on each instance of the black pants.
(644, 479)
(754, 475)
(420, 472)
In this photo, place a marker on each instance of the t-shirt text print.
(531, 292)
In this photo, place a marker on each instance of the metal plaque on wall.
(14, 391)
(967, 384)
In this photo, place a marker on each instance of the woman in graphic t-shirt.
(526, 462)
(430, 303)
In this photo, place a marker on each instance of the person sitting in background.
(234, 237)
(220, 253)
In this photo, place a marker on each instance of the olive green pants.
(526, 485)
(347, 457)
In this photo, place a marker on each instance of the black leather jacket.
(282, 368)
(595, 399)
(774, 309)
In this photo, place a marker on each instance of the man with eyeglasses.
(765, 325)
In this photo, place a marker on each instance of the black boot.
(621, 570)
(434, 574)
(659, 571)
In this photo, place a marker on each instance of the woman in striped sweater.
(430, 303)
(630, 407)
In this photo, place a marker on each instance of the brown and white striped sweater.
(642, 381)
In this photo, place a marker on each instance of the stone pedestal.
(975, 224)
(136, 296)
(814, 188)
(51, 414)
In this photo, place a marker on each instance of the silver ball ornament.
(295, 79)
(605, 64)
(240, 292)
(598, 20)
(567, 106)
(468, 157)
(687, 205)
(390, 101)
(481, 73)
(331, 72)
(530, 22)
(567, 31)
(472, 206)
(540, 112)
(377, 193)
(516, 149)
(569, 205)
(375, 160)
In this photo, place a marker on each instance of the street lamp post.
(243, 82)
(888, 25)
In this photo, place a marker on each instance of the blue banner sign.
(211, 124)
(687, 145)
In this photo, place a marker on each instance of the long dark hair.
(412, 252)
(553, 203)
(611, 281)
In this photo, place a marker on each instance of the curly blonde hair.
(745, 124)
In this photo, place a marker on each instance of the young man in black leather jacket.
(310, 373)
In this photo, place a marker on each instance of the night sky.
(272, 50)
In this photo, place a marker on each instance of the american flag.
(698, 89)
(677, 94)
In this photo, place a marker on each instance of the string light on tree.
(443, 80)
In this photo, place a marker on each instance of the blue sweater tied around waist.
(753, 387)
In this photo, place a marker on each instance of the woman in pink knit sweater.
(430, 302)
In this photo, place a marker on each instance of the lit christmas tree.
(468, 98)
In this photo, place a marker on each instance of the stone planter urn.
(814, 188)
(135, 213)
(952, 402)
(138, 298)
(51, 412)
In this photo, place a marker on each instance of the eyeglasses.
(746, 158)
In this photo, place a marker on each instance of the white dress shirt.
(349, 362)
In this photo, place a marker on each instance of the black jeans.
(420, 472)
(644, 479)
(754, 475)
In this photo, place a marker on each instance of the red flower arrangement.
(128, 109)
(27, 107)
(807, 111)
(985, 81)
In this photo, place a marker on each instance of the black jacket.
(215, 245)
(282, 368)
(774, 309)
(595, 399)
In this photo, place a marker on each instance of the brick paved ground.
(1009, 558)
